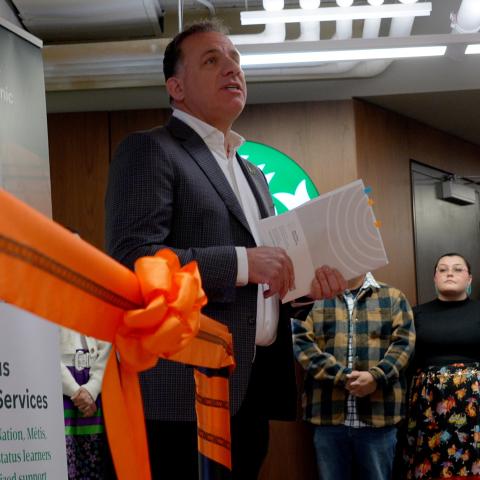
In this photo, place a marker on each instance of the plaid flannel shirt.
(382, 344)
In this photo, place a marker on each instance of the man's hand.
(327, 283)
(361, 384)
(272, 266)
(84, 402)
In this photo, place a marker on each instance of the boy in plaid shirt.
(354, 349)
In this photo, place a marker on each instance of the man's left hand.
(328, 283)
(361, 384)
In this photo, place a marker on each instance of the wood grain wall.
(319, 136)
(79, 160)
(385, 144)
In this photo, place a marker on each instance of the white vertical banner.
(32, 442)
(32, 438)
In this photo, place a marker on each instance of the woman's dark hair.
(453, 254)
(173, 52)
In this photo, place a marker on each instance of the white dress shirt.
(267, 309)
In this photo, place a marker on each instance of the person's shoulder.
(154, 139)
(149, 134)
(388, 290)
(474, 304)
(425, 307)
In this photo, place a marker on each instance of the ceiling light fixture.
(324, 14)
(472, 49)
(311, 57)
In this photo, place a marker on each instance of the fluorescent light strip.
(472, 49)
(265, 59)
(324, 14)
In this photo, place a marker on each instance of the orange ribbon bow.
(154, 313)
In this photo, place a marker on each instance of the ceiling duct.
(91, 20)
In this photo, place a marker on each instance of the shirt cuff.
(242, 267)
(379, 375)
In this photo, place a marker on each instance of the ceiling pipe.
(467, 19)
(344, 27)
(98, 59)
(180, 15)
(371, 29)
(273, 32)
(371, 26)
(309, 31)
(211, 8)
(402, 27)
(359, 69)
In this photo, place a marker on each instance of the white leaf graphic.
(268, 176)
(291, 201)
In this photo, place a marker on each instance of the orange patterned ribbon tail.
(154, 313)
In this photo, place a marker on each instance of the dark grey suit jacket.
(165, 189)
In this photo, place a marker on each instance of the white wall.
(7, 13)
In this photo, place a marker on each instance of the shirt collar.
(209, 134)
(369, 282)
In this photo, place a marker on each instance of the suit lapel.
(259, 187)
(200, 153)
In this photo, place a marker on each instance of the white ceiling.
(442, 92)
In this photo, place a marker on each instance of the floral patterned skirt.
(443, 432)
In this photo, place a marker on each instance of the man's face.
(209, 83)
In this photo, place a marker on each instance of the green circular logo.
(289, 185)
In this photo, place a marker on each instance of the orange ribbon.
(153, 313)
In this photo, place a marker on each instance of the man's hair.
(173, 52)
(453, 254)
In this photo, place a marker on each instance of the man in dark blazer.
(182, 186)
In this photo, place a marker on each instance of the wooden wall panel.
(79, 158)
(441, 150)
(124, 122)
(318, 136)
(385, 144)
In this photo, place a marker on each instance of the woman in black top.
(443, 439)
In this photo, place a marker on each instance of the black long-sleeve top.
(447, 332)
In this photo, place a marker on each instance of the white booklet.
(337, 229)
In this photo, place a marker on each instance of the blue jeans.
(344, 453)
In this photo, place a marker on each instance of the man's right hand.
(271, 266)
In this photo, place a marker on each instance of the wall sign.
(289, 184)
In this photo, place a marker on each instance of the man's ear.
(174, 88)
